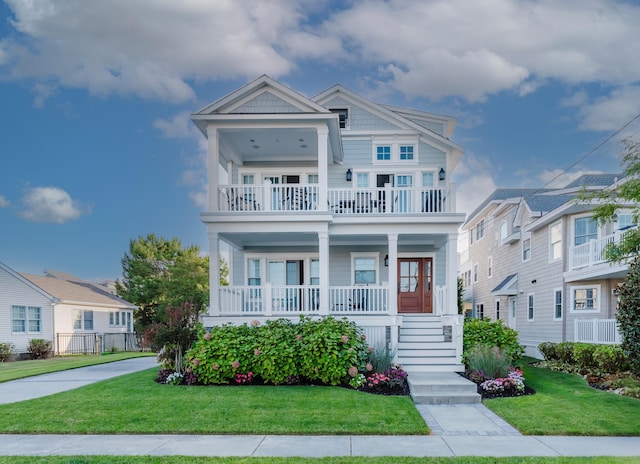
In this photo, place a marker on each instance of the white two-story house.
(335, 206)
(536, 260)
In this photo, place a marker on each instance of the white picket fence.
(602, 331)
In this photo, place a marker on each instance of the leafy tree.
(158, 273)
(628, 314)
(624, 195)
(460, 296)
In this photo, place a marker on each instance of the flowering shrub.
(244, 378)
(397, 376)
(512, 384)
(163, 374)
(174, 378)
(377, 381)
(358, 381)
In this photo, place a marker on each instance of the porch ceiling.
(271, 144)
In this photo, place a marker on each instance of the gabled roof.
(27, 282)
(66, 288)
(396, 115)
(508, 287)
(595, 180)
(500, 195)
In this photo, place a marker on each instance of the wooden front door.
(415, 284)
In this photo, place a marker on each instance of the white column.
(213, 167)
(393, 273)
(323, 159)
(214, 274)
(323, 256)
(451, 300)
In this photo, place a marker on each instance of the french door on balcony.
(415, 285)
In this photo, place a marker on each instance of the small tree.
(628, 315)
(460, 296)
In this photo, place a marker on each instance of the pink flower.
(235, 364)
(207, 336)
(215, 366)
(298, 337)
(369, 367)
(256, 352)
(353, 371)
(255, 323)
(196, 362)
(344, 339)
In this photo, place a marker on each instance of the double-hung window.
(585, 299)
(364, 270)
(586, 230)
(82, 319)
(26, 319)
(526, 248)
(557, 305)
(555, 241)
(530, 307)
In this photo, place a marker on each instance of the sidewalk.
(458, 430)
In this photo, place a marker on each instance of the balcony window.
(586, 230)
(427, 179)
(362, 179)
(253, 272)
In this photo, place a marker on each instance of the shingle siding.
(266, 103)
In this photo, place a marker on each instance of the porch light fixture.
(441, 174)
(386, 261)
(349, 175)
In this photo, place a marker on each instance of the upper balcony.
(303, 198)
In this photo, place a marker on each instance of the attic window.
(343, 116)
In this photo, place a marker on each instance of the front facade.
(336, 206)
(536, 261)
(63, 309)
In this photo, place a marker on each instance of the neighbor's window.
(26, 319)
(364, 271)
(343, 117)
(82, 319)
(526, 249)
(555, 241)
(585, 299)
(586, 230)
(497, 310)
(557, 313)
(530, 309)
(624, 220)
(503, 232)
(480, 311)
(475, 272)
(480, 230)
(489, 266)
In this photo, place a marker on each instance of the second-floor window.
(586, 229)
(489, 266)
(479, 230)
(475, 273)
(383, 152)
(503, 232)
(406, 152)
(555, 241)
(395, 151)
(526, 249)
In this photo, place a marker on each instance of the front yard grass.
(135, 404)
(564, 404)
(21, 369)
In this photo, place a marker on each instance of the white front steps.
(422, 346)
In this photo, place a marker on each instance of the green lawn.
(565, 405)
(20, 369)
(134, 403)
(296, 460)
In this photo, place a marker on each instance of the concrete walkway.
(458, 430)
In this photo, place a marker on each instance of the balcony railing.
(304, 197)
(286, 300)
(593, 252)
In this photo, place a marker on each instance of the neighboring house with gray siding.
(45, 306)
(535, 260)
(335, 206)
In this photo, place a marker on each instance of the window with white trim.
(82, 319)
(26, 319)
(480, 230)
(555, 241)
(585, 299)
(526, 249)
(120, 319)
(427, 179)
(504, 229)
(253, 272)
(383, 153)
(497, 310)
(395, 151)
(475, 272)
(480, 310)
(585, 230)
(362, 179)
(624, 221)
(406, 152)
(343, 117)
(530, 306)
(365, 270)
(557, 304)
(489, 266)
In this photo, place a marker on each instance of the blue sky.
(96, 146)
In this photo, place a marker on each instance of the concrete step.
(441, 388)
(420, 331)
(425, 359)
(420, 323)
(421, 338)
(423, 368)
(408, 352)
(423, 345)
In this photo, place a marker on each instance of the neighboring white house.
(60, 307)
(335, 205)
(536, 261)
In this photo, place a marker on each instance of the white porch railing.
(593, 252)
(603, 331)
(304, 197)
(268, 300)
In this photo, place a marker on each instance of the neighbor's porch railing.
(593, 252)
(283, 300)
(603, 331)
(304, 197)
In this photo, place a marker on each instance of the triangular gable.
(263, 95)
(393, 118)
(27, 282)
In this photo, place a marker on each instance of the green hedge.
(326, 350)
(491, 333)
(586, 357)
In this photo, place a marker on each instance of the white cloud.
(155, 48)
(4, 203)
(50, 204)
(179, 126)
(612, 112)
(474, 182)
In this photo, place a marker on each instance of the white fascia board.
(97, 305)
(28, 283)
(552, 216)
